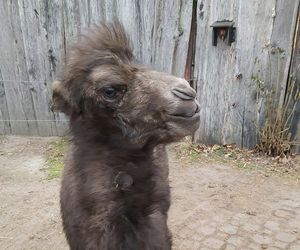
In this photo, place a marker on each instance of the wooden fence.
(224, 73)
(35, 37)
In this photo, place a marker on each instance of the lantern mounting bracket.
(224, 30)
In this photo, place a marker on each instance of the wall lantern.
(224, 30)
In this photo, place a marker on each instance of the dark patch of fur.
(97, 215)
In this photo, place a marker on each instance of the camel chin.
(184, 126)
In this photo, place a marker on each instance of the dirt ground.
(214, 206)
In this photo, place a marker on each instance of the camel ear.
(65, 99)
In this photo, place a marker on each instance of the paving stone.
(262, 239)
(235, 222)
(194, 225)
(221, 235)
(254, 246)
(230, 247)
(214, 243)
(295, 247)
(229, 229)
(268, 232)
(236, 241)
(289, 203)
(285, 237)
(220, 218)
(279, 244)
(195, 236)
(183, 233)
(191, 245)
(204, 205)
(295, 223)
(206, 230)
(272, 225)
(240, 217)
(250, 227)
(284, 213)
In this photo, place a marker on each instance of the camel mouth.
(184, 125)
(187, 112)
(183, 117)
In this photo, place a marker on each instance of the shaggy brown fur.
(115, 192)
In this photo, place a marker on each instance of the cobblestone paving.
(225, 208)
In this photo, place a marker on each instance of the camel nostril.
(184, 93)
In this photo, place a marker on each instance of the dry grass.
(274, 135)
(239, 158)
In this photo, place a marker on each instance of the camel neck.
(109, 139)
(115, 153)
(115, 143)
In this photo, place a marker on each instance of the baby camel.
(115, 192)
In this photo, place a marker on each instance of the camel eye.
(110, 92)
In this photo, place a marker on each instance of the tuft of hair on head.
(106, 41)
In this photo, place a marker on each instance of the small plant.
(274, 135)
(55, 158)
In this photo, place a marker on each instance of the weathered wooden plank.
(295, 72)
(215, 70)
(37, 61)
(18, 102)
(254, 30)
(51, 19)
(4, 113)
(283, 37)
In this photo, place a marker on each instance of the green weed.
(55, 158)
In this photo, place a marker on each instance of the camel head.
(103, 88)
